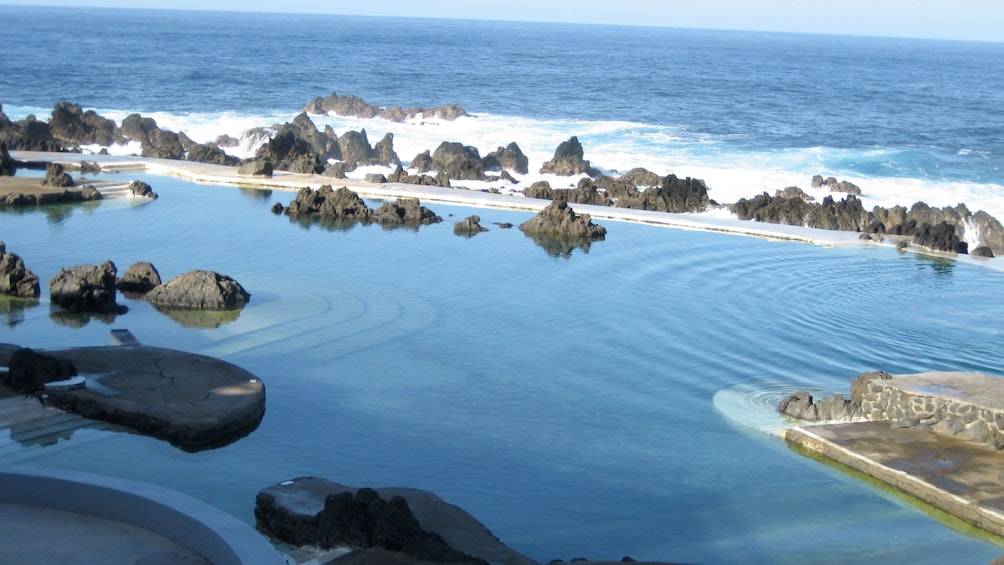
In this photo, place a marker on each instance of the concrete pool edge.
(217, 536)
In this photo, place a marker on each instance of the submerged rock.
(29, 371)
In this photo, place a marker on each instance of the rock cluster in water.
(359, 108)
(344, 205)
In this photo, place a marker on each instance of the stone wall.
(954, 404)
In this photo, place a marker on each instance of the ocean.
(601, 404)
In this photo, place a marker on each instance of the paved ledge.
(962, 478)
(194, 401)
(93, 500)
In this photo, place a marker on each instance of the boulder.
(835, 185)
(568, 160)
(138, 128)
(210, 153)
(383, 152)
(404, 212)
(510, 157)
(422, 162)
(793, 192)
(558, 219)
(85, 288)
(142, 190)
(140, 277)
(800, 405)
(469, 226)
(15, 278)
(458, 161)
(255, 168)
(29, 371)
(641, 177)
(8, 166)
(199, 290)
(56, 175)
(323, 143)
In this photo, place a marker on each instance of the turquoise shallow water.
(568, 403)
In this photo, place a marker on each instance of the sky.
(978, 20)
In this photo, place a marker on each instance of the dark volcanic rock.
(329, 203)
(793, 192)
(255, 168)
(29, 371)
(404, 212)
(568, 160)
(835, 186)
(672, 195)
(355, 147)
(355, 106)
(15, 278)
(800, 405)
(399, 175)
(846, 215)
(469, 226)
(210, 153)
(56, 175)
(942, 236)
(142, 190)
(287, 152)
(8, 166)
(422, 162)
(362, 520)
(510, 157)
(458, 161)
(85, 288)
(641, 177)
(558, 219)
(29, 134)
(383, 152)
(199, 290)
(139, 277)
(73, 126)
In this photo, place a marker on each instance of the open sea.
(600, 404)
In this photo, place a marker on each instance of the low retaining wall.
(966, 405)
(220, 538)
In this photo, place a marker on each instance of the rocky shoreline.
(299, 147)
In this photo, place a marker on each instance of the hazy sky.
(945, 19)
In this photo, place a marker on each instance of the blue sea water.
(598, 404)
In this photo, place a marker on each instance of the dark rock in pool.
(199, 290)
(8, 165)
(85, 288)
(414, 524)
(142, 190)
(344, 205)
(29, 371)
(140, 277)
(568, 160)
(558, 219)
(15, 278)
(56, 175)
(469, 226)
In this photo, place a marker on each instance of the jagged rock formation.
(142, 190)
(344, 205)
(847, 214)
(140, 277)
(15, 278)
(559, 220)
(357, 107)
(400, 175)
(199, 290)
(85, 288)
(74, 127)
(587, 192)
(836, 186)
(458, 161)
(673, 194)
(56, 175)
(568, 160)
(510, 157)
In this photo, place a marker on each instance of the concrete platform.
(936, 437)
(193, 401)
